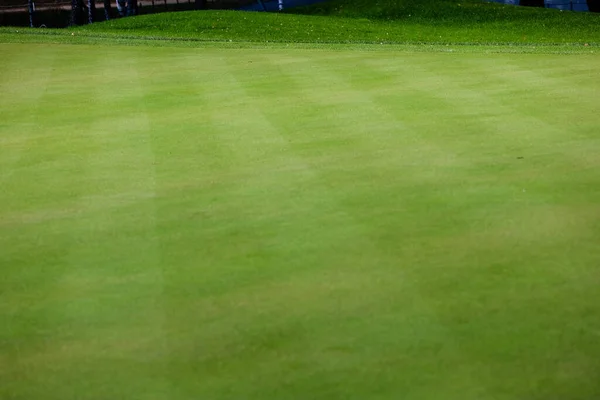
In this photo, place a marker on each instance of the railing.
(32, 8)
(61, 13)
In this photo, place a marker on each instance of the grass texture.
(297, 224)
(382, 21)
(285, 210)
(435, 22)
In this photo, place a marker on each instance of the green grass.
(385, 21)
(225, 205)
(214, 223)
(360, 22)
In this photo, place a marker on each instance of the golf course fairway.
(216, 223)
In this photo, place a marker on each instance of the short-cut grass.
(226, 224)
(325, 219)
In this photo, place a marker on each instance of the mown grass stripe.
(335, 231)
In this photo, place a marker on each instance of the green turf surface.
(433, 22)
(422, 26)
(360, 21)
(221, 223)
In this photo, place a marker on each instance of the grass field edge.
(28, 35)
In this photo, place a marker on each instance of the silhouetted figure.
(31, 9)
(76, 12)
(122, 7)
(107, 10)
(132, 7)
(91, 11)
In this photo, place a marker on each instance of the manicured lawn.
(298, 224)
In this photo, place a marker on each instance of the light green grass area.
(214, 223)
